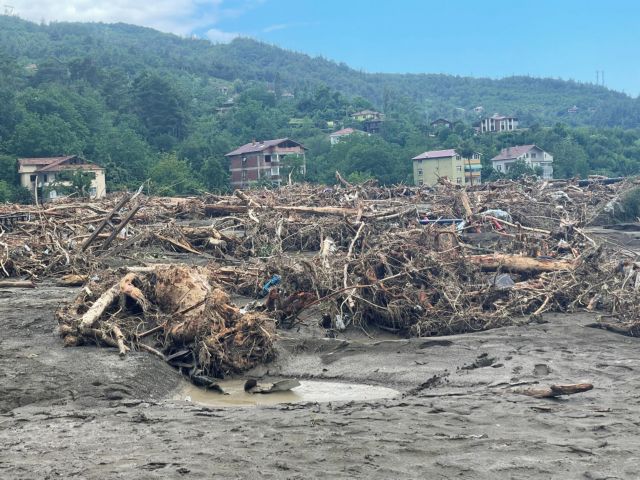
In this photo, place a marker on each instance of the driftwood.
(17, 284)
(554, 391)
(106, 220)
(517, 263)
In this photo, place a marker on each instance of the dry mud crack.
(84, 413)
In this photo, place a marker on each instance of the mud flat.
(85, 413)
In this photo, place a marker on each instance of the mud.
(84, 413)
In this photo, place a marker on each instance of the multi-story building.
(262, 160)
(498, 123)
(429, 167)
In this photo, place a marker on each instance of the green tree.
(172, 176)
(214, 175)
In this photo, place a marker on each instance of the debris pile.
(415, 261)
(178, 313)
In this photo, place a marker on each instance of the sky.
(569, 39)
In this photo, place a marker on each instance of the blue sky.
(570, 39)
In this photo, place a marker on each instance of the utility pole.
(597, 77)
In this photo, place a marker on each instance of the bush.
(628, 209)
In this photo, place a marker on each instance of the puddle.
(308, 391)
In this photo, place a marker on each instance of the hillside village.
(173, 125)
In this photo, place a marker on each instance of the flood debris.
(179, 313)
(347, 256)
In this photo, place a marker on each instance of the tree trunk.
(520, 264)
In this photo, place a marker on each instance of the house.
(227, 105)
(498, 123)
(365, 115)
(532, 155)
(261, 160)
(429, 167)
(573, 109)
(335, 137)
(47, 177)
(370, 119)
(441, 123)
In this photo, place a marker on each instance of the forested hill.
(155, 108)
(132, 48)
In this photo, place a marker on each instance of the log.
(464, 199)
(520, 264)
(72, 280)
(246, 199)
(554, 391)
(341, 179)
(17, 284)
(96, 310)
(104, 222)
(125, 285)
(121, 225)
(216, 209)
(123, 349)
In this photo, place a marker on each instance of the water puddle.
(308, 391)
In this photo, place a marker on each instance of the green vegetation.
(153, 106)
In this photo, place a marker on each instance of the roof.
(441, 120)
(510, 153)
(345, 131)
(56, 164)
(42, 160)
(436, 154)
(366, 112)
(252, 147)
(495, 116)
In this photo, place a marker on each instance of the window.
(419, 172)
(458, 168)
(244, 175)
(267, 158)
(499, 168)
(533, 155)
(244, 159)
(458, 157)
(458, 180)
(33, 178)
(420, 182)
(275, 171)
(46, 178)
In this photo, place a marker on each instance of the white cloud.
(181, 17)
(218, 36)
(276, 27)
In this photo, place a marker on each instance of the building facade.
(370, 120)
(47, 177)
(531, 155)
(429, 167)
(262, 160)
(498, 123)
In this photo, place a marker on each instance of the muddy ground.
(84, 413)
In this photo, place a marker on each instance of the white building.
(532, 155)
(498, 123)
(43, 175)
